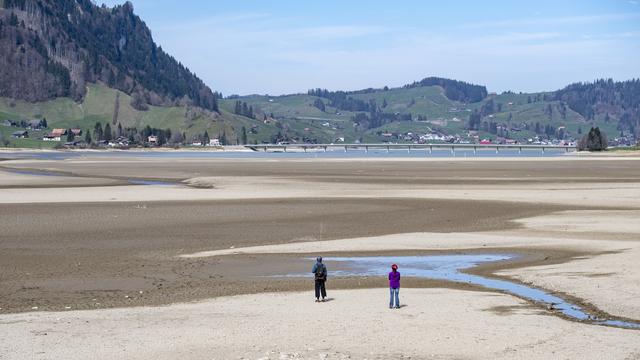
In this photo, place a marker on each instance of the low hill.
(422, 109)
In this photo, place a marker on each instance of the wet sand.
(83, 245)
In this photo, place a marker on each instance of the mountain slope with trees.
(54, 48)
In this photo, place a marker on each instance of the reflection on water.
(448, 267)
(149, 182)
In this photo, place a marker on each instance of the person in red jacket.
(394, 287)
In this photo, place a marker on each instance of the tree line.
(242, 108)
(454, 90)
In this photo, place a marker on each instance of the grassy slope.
(443, 114)
(99, 105)
(295, 113)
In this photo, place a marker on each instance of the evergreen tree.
(106, 134)
(205, 138)
(70, 135)
(13, 20)
(97, 131)
(243, 135)
(595, 140)
(319, 104)
(87, 137)
(223, 138)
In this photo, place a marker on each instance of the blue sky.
(276, 47)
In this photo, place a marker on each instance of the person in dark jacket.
(394, 287)
(320, 275)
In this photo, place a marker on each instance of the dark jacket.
(315, 271)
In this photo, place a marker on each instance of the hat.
(394, 267)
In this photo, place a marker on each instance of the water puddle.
(54, 174)
(150, 182)
(30, 172)
(450, 267)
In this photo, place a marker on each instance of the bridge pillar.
(520, 150)
(366, 149)
(345, 148)
(387, 149)
(497, 149)
(430, 150)
(409, 149)
(285, 149)
(475, 150)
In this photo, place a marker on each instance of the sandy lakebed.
(136, 257)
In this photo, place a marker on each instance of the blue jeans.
(393, 293)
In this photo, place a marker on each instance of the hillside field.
(296, 117)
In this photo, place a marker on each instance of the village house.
(153, 139)
(55, 135)
(119, 142)
(214, 142)
(20, 134)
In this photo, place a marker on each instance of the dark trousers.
(320, 289)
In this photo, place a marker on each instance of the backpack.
(321, 272)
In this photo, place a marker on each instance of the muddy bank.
(58, 255)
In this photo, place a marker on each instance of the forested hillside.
(54, 48)
(612, 101)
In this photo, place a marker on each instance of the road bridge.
(409, 147)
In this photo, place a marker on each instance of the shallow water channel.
(132, 181)
(450, 268)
